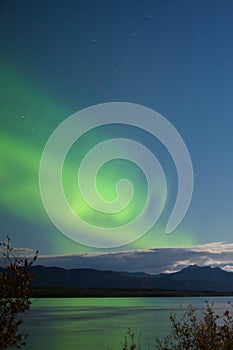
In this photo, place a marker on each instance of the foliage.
(208, 331)
(15, 280)
(211, 332)
(129, 343)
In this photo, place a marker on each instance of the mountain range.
(192, 278)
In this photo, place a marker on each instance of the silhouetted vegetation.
(129, 341)
(15, 281)
(210, 331)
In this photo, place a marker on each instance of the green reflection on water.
(101, 323)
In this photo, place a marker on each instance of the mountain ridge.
(193, 277)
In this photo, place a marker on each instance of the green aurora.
(27, 124)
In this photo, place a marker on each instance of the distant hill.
(192, 278)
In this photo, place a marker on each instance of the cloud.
(152, 261)
(19, 251)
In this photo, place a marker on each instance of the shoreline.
(62, 292)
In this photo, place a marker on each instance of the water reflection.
(101, 323)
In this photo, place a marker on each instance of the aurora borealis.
(60, 57)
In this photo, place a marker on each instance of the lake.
(101, 323)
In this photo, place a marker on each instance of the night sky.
(58, 57)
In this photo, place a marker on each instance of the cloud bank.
(151, 261)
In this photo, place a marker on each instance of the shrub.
(15, 280)
(211, 332)
(129, 341)
(189, 332)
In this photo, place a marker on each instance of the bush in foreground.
(189, 332)
(210, 332)
(15, 280)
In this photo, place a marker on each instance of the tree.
(15, 281)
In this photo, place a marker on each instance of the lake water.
(101, 323)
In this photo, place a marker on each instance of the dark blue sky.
(176, 57)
